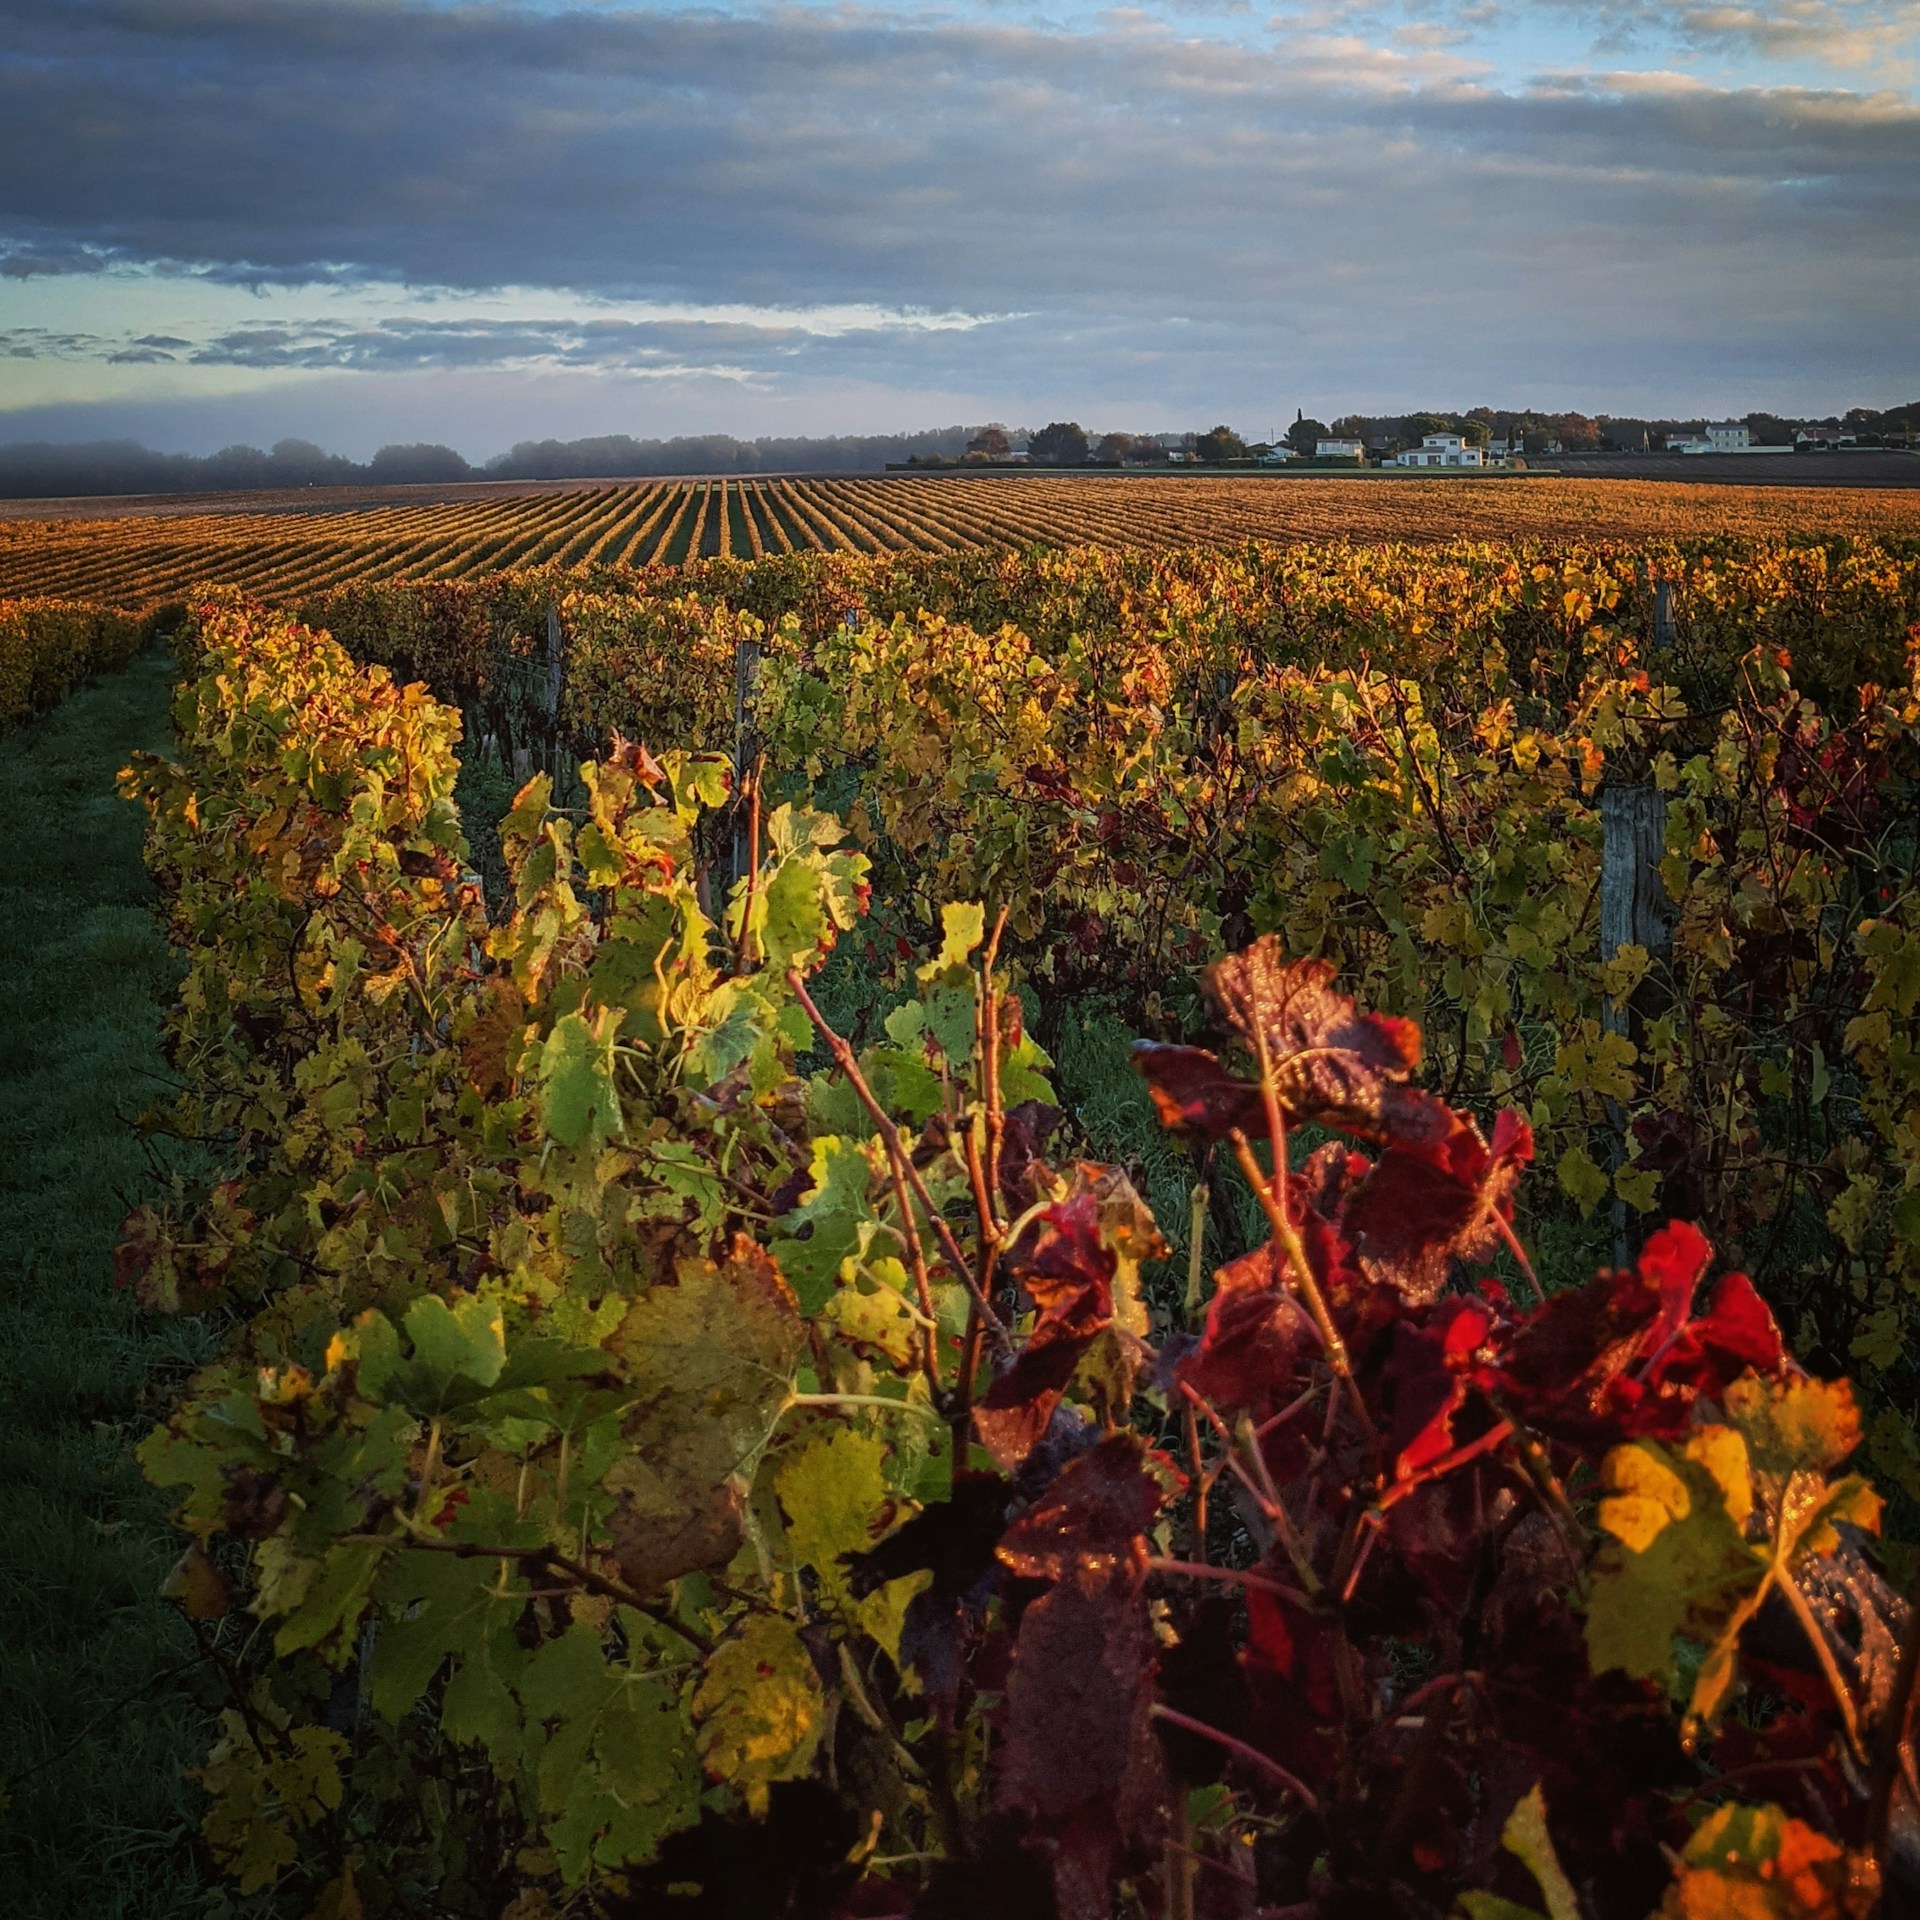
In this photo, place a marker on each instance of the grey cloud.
(405, 345)
(728, 349)
(1171, 213)
(1840, 34)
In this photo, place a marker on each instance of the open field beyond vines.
(282, 548)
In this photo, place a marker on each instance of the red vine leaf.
(1194, 1093)
(1624, 1358)
(1014, 1413)
(1431, 1201)
(1431, 1371)
(1067, 1265)
(631, 757)
(1064, 1261)
(1022, 1142)
(1095, 1514)
(1080, 1757)
(1331, 1063)
(1255, 1337)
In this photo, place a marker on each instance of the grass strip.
(97, 1718)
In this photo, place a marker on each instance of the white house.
(1274, 456)
(1339, 449)
(1441, 450)
(1724, 436)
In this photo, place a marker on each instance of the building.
(1724, 436)
(1339, 449)
(1274, 456)
(1441, 450)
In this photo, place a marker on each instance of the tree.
(1218, 445)
(1577, 433)
(990, 443)
(415, 465)
(1113, 449)
(1062, 443)
(1305, 434)
(1476, 433)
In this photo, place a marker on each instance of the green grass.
(97, 1722)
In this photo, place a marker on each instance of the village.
(1481, 441)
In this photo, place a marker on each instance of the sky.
(479, 221)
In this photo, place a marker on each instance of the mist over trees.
(36, 469)
(46, 469)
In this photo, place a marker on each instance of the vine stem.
(1241, 1751)
(1288, 1236)
(1494, 1436)
(615, 1590)
(743, 958)
(890, 1135)
(1822, 1652)
(1232, 1576)
(1260, 1485)
(899, 1165)
(990, 1243)
(856, 1400)
(990, 1056)
(1893, 1736)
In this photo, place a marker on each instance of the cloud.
(1878, 36)
(1112, 211)
(504, 330)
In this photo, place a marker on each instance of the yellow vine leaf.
(1757, 1863)
(760, 1709)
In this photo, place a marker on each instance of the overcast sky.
(371, 220)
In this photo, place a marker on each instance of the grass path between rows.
(96, 1721)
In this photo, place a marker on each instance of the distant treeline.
(1612, 432)
(31, 470)
(615, 456)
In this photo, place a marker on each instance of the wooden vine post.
(551, 690)
(746, 750)
(556, 658)
(1634, 907)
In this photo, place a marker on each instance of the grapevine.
(675, 1453)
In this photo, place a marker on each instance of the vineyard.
(733, 1406)
(49, 647)
(160, 555)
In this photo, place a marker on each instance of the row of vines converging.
(671, 1457)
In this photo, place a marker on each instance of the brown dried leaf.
(667, 1526)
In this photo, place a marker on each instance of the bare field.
(277, 547)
